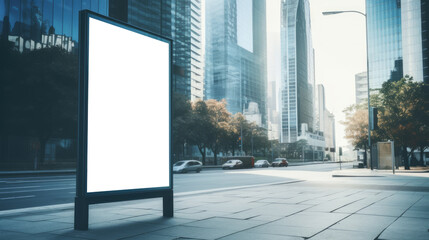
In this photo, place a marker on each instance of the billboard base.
(81, 208)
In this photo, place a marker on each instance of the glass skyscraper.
(235, 67)
(38, 81)
(397, 40)
(35, 24)
(297, 77)
(179, 20)
(384, 41)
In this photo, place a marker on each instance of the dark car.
(280, 162)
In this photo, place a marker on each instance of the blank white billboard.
(128, 110)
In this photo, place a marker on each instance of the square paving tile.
(378, 209)
(225, 223)
(319, 220)
(194, 232)
(285, 230)
(330, 234)
(32, 227)
(407, 228)
(247, 235)
(367, 223)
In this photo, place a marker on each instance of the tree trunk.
(202, 150)
(215, 155)
(43, 142)
(183, 150)
(421, 155)
(405, 158)
(365, 157)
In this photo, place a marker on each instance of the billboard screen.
(128, 109)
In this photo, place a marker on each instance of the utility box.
(384, 155)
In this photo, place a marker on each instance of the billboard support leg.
(167, 204)
(81, 209)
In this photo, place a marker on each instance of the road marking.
(18, 187)
(9, 198)
(39, 190)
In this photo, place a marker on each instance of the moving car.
(232, 164)
(280, 162)
(262, 163)
(187, 166)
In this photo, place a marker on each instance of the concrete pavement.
(331, 208)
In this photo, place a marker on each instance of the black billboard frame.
(83, 199)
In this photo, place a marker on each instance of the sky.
(340, 52)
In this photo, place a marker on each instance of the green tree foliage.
(181, 117)
(209, 125)
(219, 118)
(405, 114)
(200, 128)
(403, 117)
(38, 94)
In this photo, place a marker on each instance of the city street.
(23, 192)
(302, 202)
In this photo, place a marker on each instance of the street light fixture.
(367, 71)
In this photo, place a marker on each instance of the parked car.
(280, 162)
(232, 164)
(187, 166)
(262, 163)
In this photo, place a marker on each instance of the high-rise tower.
(297, 62)
(236, 54)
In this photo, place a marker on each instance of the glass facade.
(236, 65)
(297, 61)
(177, 20)
(36, 24)
(384, 41)
(38, 87)
(425, 39)
(411, 24)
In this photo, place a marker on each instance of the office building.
(297, 77)
(235, 65)
(397, 40)
(272, 115)
(39, 69)
(179, 21)
(31, 25)
(361, 88)
(325, 122)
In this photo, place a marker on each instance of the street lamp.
(367, 70)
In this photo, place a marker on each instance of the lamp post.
(367, 71)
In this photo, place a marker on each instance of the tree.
(219, 119)
(356, 123)
(40, 99)
(405, 114)
(181, 119)
(234, 135)
(200, 127)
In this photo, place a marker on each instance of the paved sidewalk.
(341, 208)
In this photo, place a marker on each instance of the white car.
(262, 163)
(230, 164)
(187, 166)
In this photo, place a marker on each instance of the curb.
(345, 175)
(37, 172)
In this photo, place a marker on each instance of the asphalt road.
(31, 191)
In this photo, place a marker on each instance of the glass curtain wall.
(38, 87)
(384, 41)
